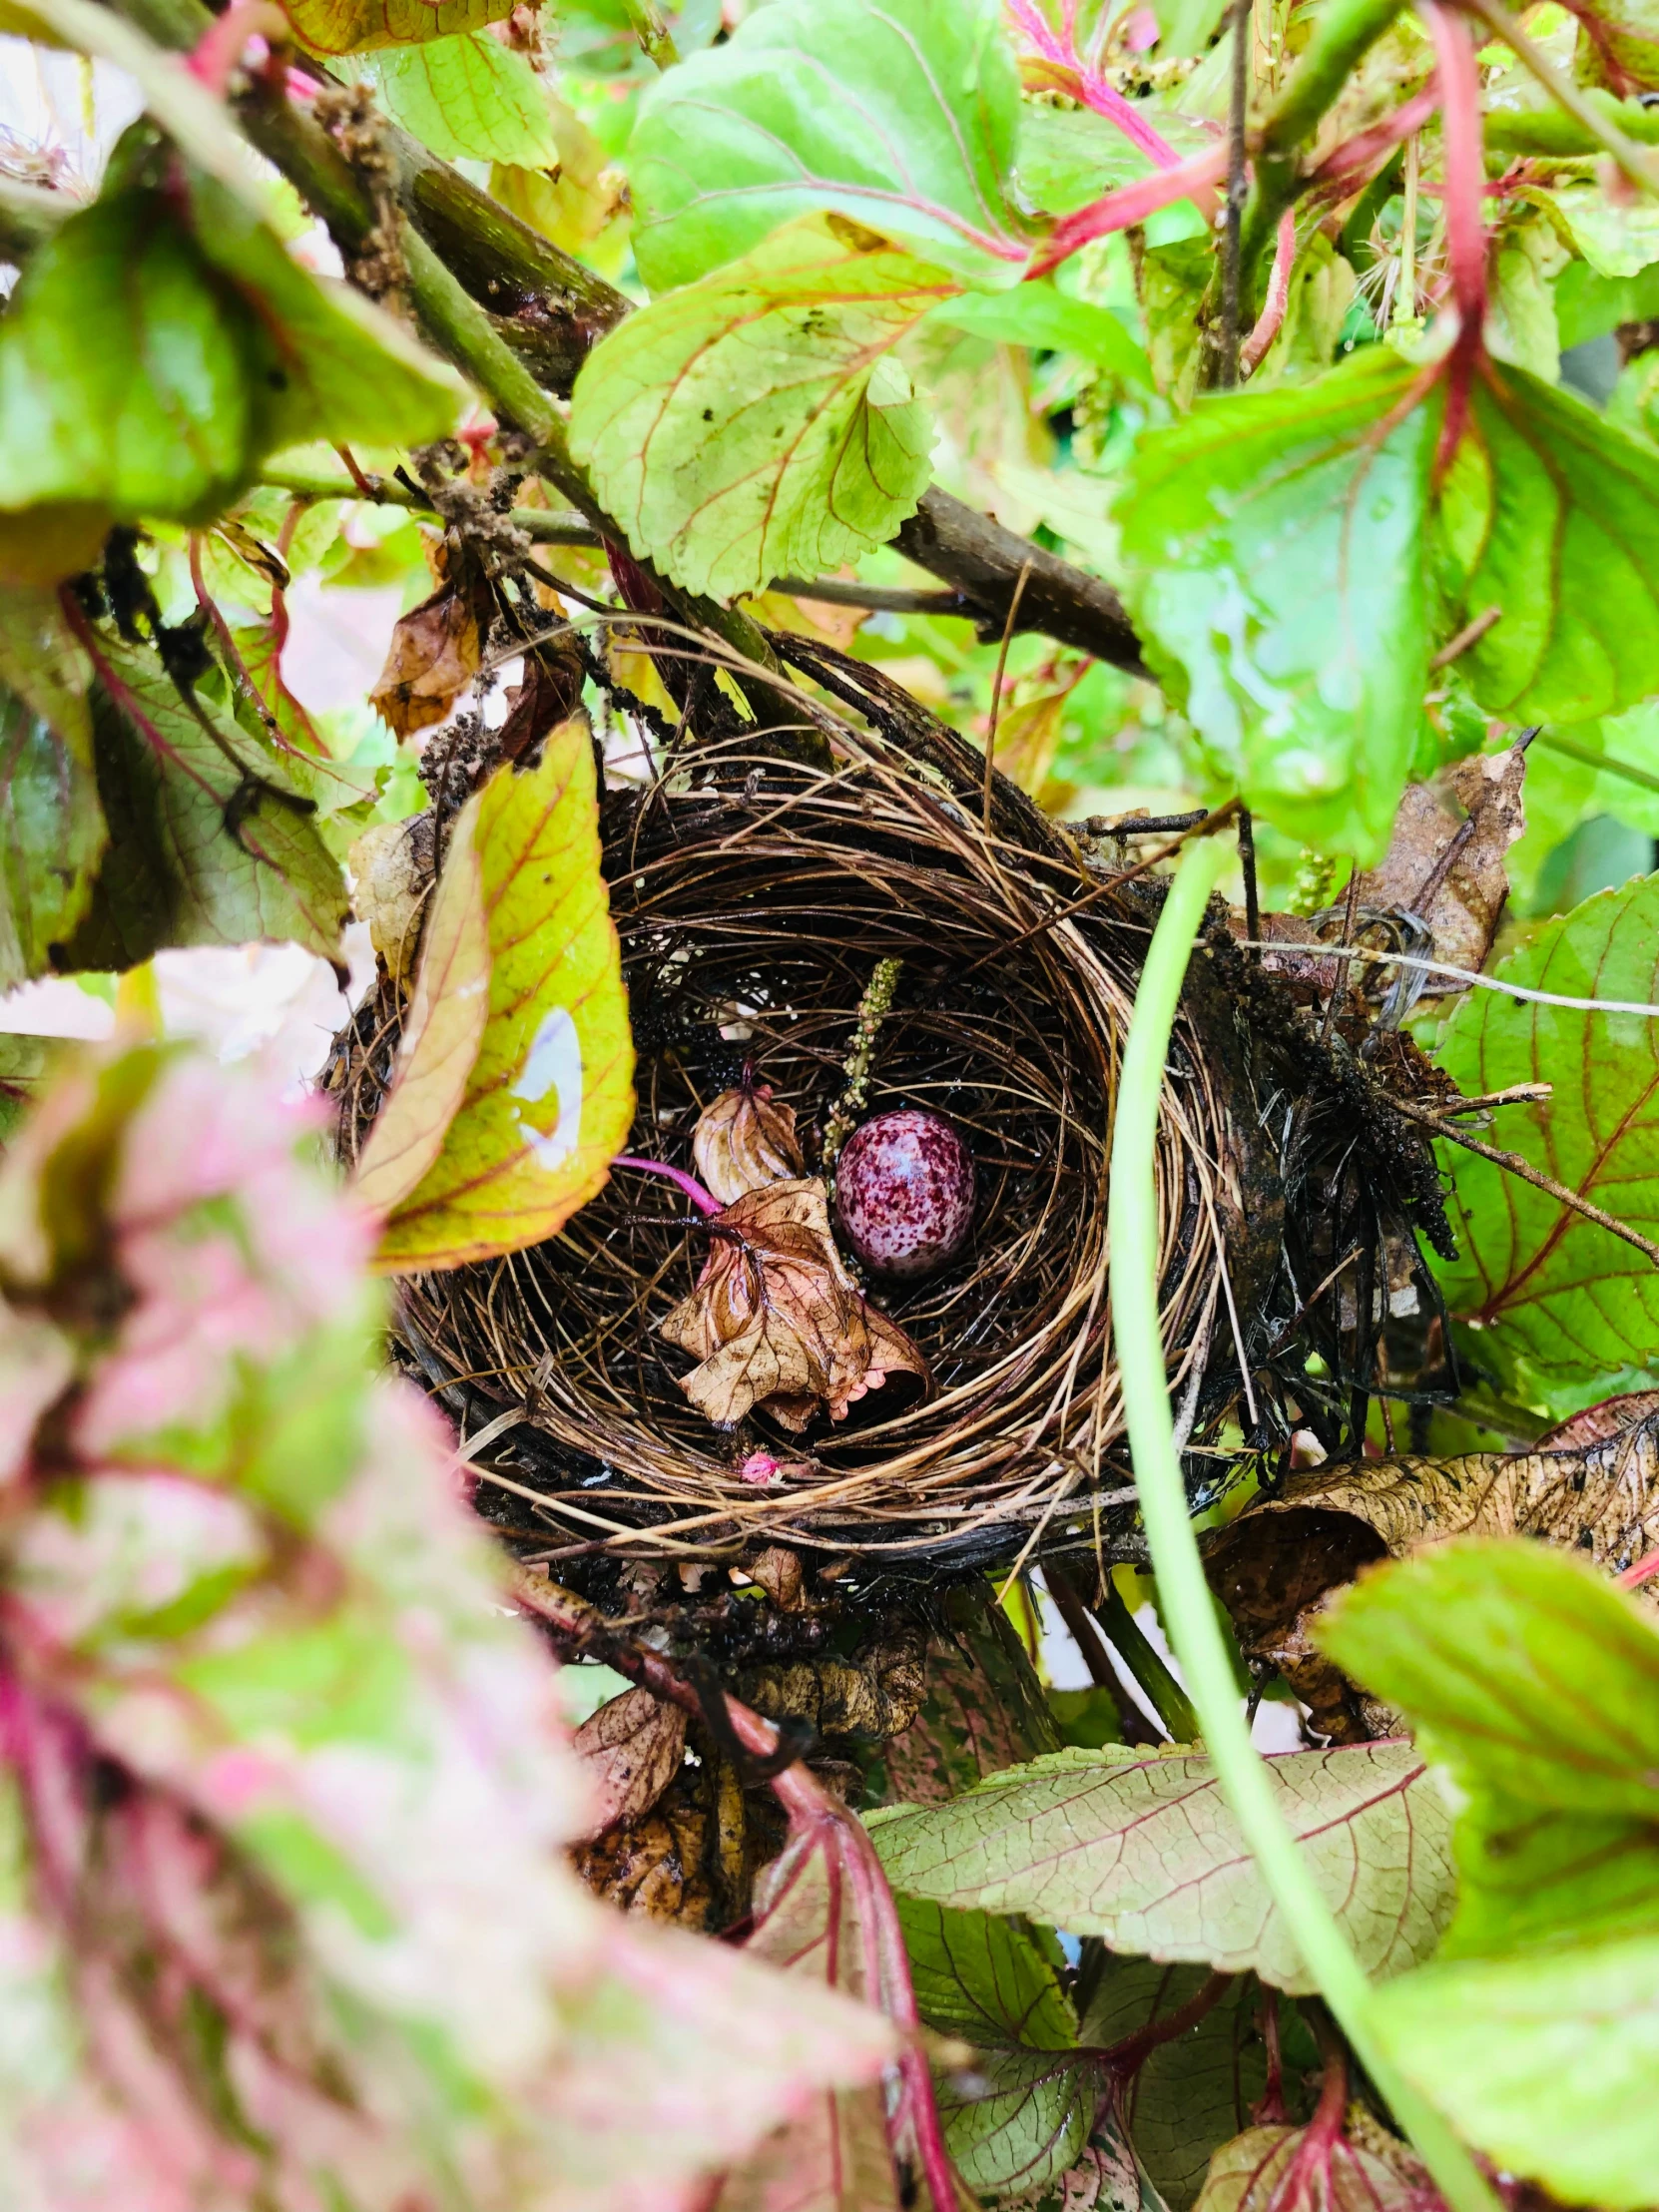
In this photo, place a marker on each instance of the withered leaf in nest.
(776, 1320)
(434, 653)
(1447, 859)
(550, 693)
(743, 1142)
(631, 1750)
(1275, 1566)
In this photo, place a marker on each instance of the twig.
(1566, 94)
(1247, 861)
(996, 689)
(1516, 1165)
(1339, 983)
(1086, 1635)
(1517, 1094)
(835, 591)
(1471, 635)
(1462, 974)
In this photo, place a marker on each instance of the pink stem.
(1365, 150)
(702, 1199)
(218, 48)
(1466, 229)
(1643, 1572)
(1129, 205)
(1063, 69)
(1270, 321)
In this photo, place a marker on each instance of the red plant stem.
(811, 1810)
(1270, 321)
(218, 48)
(1129, 205)
(705, 1201)
(1132, 2054)
(1643, 1572)
(1466, 229)
(1063, 69)
(1364, 150)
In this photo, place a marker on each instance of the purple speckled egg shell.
(905, 1188)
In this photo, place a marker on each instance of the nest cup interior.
(752, 908)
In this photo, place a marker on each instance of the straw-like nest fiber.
(753, 897)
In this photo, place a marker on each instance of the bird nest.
(754, 898)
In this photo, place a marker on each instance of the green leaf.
(1536, 1685)
(468, 98)
(148, 362)
(1041, 316)
(1016, 2117)
(1566, 786)
(52, 830)
(360, 26)
(208, 842)
(1143, 1852)
(1617, 236)
(757, 424)
(1555, 519)
(1189, 2094)
(991, 1981)
(1559, 1304)
(1274, 544)
(124, 387)
(1546, 2062)
(549, 1099)
(900, 112)
(328, 363)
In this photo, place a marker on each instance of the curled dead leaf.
(745, 1141)
(391, 876)
(776, 1320)
(877, 1694)
(1278, 1563)
(630, 1749)
(550, 693)
(1446, 860)
(434, 653)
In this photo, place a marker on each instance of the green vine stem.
(1132, 1230)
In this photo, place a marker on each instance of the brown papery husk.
(753, 896)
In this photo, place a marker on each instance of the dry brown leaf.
(391, 876)
(434, 653)
(776, 1320)
(550, 693)
(1275, 1566)
(654, 1867)
(877, 1694)
(632, 1749)
(1474, 805)
(745, 1141)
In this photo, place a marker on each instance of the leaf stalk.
(1131, 1228)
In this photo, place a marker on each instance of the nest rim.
(1027, 1444)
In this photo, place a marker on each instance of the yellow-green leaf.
(442, 1033)
(469, 98)
(550, 1096)
(358, 26)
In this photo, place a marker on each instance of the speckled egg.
(904, 1189)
